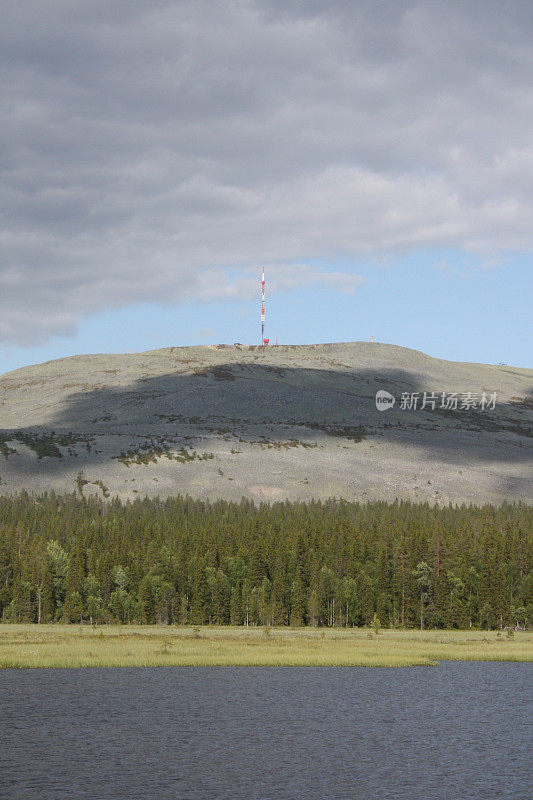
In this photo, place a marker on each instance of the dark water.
(458, 731)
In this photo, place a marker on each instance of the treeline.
(185, 561)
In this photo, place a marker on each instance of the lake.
(452, 732)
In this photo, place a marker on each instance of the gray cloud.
(151, 149)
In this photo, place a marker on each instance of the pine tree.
(146, 600)
(58, 563)
(314, 608)
(278, 606)
(326, 596)
(236, 615)
(366, 597)
(421, 575)
(23, 607)
(220, 598)
(74, 585)
(47, 593)
(202, 605)
(298, 601)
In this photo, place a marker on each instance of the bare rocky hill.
(269, 424)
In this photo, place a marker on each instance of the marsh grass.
(151, 646)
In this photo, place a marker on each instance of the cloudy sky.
(375, 156)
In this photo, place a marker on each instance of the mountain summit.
(357, 420)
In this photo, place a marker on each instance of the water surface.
(459, 731)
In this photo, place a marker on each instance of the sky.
(375, 156)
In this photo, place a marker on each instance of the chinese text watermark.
(433, 401)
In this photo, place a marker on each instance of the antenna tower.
(263, 307)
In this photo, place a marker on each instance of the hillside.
(269, 424)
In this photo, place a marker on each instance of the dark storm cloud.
(161, 151)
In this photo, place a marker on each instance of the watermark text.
(433, 401)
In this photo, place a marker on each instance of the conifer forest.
(182, 561)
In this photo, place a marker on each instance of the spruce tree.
(298, 600)
(74, 585)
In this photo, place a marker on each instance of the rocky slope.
(269, 424)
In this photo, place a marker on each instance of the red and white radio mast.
(263, 340)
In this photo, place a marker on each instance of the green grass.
(151, 646)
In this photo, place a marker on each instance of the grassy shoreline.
(35, 646)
